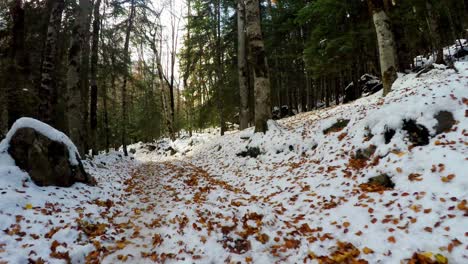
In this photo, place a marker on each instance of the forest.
(221, 131)
(111, 73)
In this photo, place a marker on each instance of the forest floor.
(300, 193)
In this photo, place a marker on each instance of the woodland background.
(94, 68)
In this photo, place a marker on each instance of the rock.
(132, 150)
(368, 135)
(46, 161)
(365, 154)
(151, 147)
(417, 134)
(388, 134)
(252, 152)
(172, 150)
(338, 126)
(276, 113)
(382, 180)
(445, 122)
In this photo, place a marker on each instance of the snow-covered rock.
(46, 154)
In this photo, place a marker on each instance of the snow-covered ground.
(304, 198)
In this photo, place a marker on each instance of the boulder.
(252, 152)
(388, 134)
(445, 122)
(417, 134)
(366, 153)
(46, 159)
(382, 180)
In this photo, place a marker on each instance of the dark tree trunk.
(48, 91)
(94, 86)
(126, 76)
(17, 69)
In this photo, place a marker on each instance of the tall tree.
(242, 67)
(259, 65)
(386, 43)
(48, 90)
(219, 66)
(126, 76)
(17, 73)
(74, 85)
(94, 69)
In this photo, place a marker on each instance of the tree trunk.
(94, 88)
(75, 98)
(242, 67)
(435, 33)
(259, 65)
(48, 88)
(85, 81)
(386, 43)
(126, 76)
(219, 69)
(16, 73)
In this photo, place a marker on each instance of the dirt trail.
(166, 215)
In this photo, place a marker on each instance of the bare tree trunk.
(16, 73)
(259, 65)
(85, 80)
(219, 69)
(126, 76)
(386, 42)
(433, 25)
(48, 88)
(242, 67)
(75, 98)
(94, 88)
(174, 35)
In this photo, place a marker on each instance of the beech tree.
(258, 62)
(74, 76)
(94, 69)
(386, 42)
(242, 67)
(48, 89)
(126, 76)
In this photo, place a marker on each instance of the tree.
(74, 76)
(386, 43)
(259, 65)
(126, 76)
(48, 88)
(17, 73)
(94, 69)
(242, 67)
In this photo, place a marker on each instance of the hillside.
(304, 192)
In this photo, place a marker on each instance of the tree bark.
(75, 98)
(219, 69)
(435, 34)
(85, 74)
(386, 43)
(126, 76)
(242, 67)
(259, 65)
(94, 87)
(16, 73)
(48, 89)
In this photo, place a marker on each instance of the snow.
(299, 199)
(44, 129)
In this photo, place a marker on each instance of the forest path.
(176, 210)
